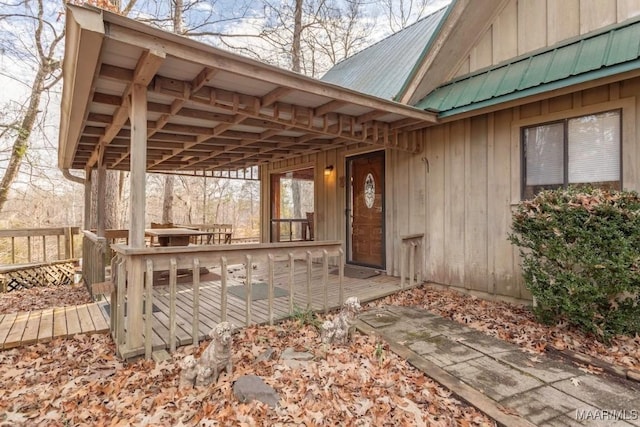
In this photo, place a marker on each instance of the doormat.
(354, 272)
(107, 309)
(259, 291)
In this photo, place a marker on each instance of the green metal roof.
(592, 56)
(382, 68)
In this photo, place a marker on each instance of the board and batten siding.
(524, 26)
(472, 184)
(461, 189)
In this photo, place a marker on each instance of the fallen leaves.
(75, 381)
(43, 297)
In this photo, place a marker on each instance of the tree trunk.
(21, 142)
(167, 201)
(297, 35)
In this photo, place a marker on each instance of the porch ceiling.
(207, 109)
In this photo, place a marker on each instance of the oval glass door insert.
(369, 191)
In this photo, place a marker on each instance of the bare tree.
(402, 13)
(44, 52)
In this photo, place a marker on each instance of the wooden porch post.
(138, 158)
(87, 199)
(100, 200)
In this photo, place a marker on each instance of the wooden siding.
(527, 25)
(461, 189)
(473, 183)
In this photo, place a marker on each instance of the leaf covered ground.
(78, 381)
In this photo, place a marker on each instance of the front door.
(366, 210)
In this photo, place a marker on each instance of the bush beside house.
(580, 251)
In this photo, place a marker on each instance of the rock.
(295, 359)
(290, 354)
(265, 355)
(251, 387)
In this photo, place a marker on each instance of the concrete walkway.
(499, 378)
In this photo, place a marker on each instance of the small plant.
(580, 251)
(379, 353)
(305, 317)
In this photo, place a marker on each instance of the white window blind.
(544, 154)
(594, 148)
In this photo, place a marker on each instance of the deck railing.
(133, 274)
(37, 245)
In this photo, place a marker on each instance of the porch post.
(100, 201)
(87, 199)
(138, 158)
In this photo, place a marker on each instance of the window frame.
(565, 148)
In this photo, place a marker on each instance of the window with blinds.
(581, 150)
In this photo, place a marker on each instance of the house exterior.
(529, 94)
(430, 136)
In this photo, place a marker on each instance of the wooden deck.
(18, 329)
(210, 308)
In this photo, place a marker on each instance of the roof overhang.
(207, 109)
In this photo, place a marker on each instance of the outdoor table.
(174, 236)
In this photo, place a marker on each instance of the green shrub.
(581, 257)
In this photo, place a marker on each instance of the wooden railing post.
(291, 280)
(270, 279)
(173, 283)
(249, 271)
(135, 293)
(341, 276)
(309, 268)
(148, 311)
(223, 289)
(196, 302)
(325, 279)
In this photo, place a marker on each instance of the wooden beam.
(275, 95)
(328, 107)
(147, 66)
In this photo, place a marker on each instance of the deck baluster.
(196, 301)
(148, 311)
(173, 279)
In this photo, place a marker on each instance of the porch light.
(328, 170)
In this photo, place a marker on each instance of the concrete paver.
(543, 390)
(493, 378)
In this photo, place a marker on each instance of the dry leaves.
(78, 382)
(516, 324)
(43, 297)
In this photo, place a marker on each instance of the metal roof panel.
(624, 46)
(592, 54)
(605, 52)
(382, 68)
